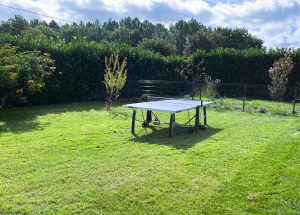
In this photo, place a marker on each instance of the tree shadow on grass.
(180, 139)
(119, 114)
(24, 119)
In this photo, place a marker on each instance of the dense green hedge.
(245, 66)
(80, 67)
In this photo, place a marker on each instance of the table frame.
(172, 122)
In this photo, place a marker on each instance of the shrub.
(193, 73)
(114, 78)
(22, 72)
(278, 74)
(211, 86)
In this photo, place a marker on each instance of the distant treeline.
(80, 66)
(181, 38)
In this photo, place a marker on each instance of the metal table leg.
(133, 121)
(149, 116)
(171, 126)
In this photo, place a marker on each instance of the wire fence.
(243, 97)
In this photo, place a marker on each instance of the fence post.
(200, 90)
(244, 97)
(294, 102)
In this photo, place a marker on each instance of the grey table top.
(169, 106)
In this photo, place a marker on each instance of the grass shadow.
(180, 140)
(24, 119)
(119, 114)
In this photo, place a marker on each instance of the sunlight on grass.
(78, 158)
(251, 105)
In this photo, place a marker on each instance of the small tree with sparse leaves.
(278, 74)
(193, 72)
(114, 78)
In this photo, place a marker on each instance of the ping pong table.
(171, 106)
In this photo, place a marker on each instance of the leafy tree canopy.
(187, 36)
(157, 45)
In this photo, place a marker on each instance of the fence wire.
(244, 97)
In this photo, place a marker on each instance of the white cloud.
(268, 19)
(193, 6)
(277, 22)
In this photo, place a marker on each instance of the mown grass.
(252, 105)
(78, 158)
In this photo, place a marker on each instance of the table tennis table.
(171, 106)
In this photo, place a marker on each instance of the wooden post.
(133, 121)
(200, 90)
(204, 115)
(197, 118)
(294, 102)
(244, 97)
(172, 116)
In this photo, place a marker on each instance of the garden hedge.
(80, 67)
(245, 66)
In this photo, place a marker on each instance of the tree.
(205, 40)
(47, 31)
(181, 30)
(114, 78)
(238, 38)
(278, 74)
(111, 25)
(22, 72)
(54, 25)
(157, 45)
(14, 25)
(193, 72)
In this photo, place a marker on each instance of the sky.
(277, 22)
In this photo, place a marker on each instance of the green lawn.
(78, 158)
(252, 105)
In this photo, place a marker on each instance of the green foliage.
(208, 39)
(54, 25)
(157, 45)
(181, 30)
(278, 74)
(22, 71)
(202, 41)
(78, 64)
(114, 78)
(16, 25)
(193, 73)
(238, 38)
(211, 86)
(245, 66)
(187, 36)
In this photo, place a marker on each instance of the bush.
(22, 72)
(278, 74)
(211, 87)
(114, 78)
